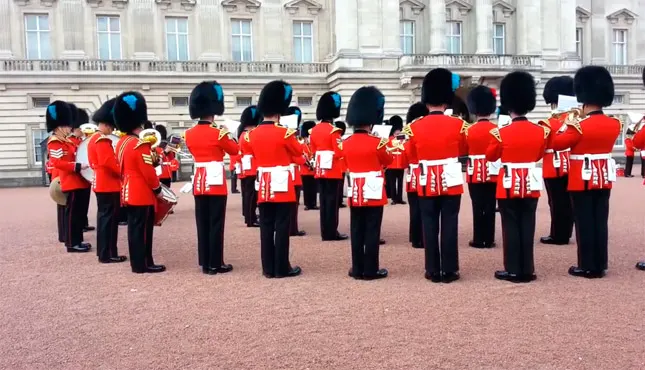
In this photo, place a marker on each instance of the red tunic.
(412, 178)
(248, 163)
(208, 144)
(309, 155)
(591, 141)
(366, 155)
(520, 146)
(107, 174)
(165, 162)
(555, 163)
(399, 160)
(274, 148)
(629, 147)
(479, 170)
(325, 142)
(62, 154)
(138, 176)
(437, 141)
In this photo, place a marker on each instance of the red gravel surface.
(66, 311)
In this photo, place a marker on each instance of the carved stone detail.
(251, 6)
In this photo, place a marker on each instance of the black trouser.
(74, 217)
(274, 238)
(309, 191)
(341, 197)
(166, 182)
(440, 256)
(87, 194)
(123, 214)
(293, 219)
(394, 177)
(107, 225)
(484, 203)
(388, 188)
(233, 182)
(560, 207)
(329, 194)
(642, 167)
(210, 216)
(60, 220)
(249, 200)
(591, 212)
(518, 231)
(629, 163)
(141, 222)
(365, 225)
(416, 227)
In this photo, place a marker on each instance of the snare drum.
(165, 204)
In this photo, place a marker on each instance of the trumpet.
(89, 129)
(574, 116)
(174, 145)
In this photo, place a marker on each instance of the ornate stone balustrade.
(471, 61)
(625, 70)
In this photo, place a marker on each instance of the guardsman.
(273, 147)
(77, 137)
(309, 183)
(481, 175)
(60, 210)
(593, 171)
(139, 181)
(343, 167)
(396, 170)
(208, 144)
(437, 140)
(248, 121)
(165, 156)
(519, 145)
(298, 161)
(415, 112)
(555, 167)
(366, 156)
(629, 152)
(234, 166)
(62, 153)
(106, 185)
(326, 142)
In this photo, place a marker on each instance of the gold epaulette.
(54, 138)
(335, 129)
(103, 137)
(147, 158)
(464, 127)
(382, 143)
(289, 132)
(575, 124)
(311, 129)
(547, 131)
(496, 135)
(246, 137)
(140, 143)
(545, 122)
(215, 125)
(407, 129)
(222, 132)
(340, 143)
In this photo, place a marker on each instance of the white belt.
(247, 155)
(206, 164)
(362, 175)
(274, 169)
(166, 163)
(477, 156)
(414, 166)
(514, 166)
(549, 151)
(324, 151)
(591, 157)
(438, 162)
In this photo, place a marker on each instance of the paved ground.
(65, 311)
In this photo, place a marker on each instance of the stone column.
(437, 12)
(551, 28)
(529, 34)
(640, 41)
(6, 34)
(484, 21)
(567, 28)
(272, 25)
(391, 26)
(346, 26)
(598, 32)
(209, 18)
(72, 21)
(142, 16)
(370, 31)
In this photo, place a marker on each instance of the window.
(242, 35)
(38, 136)
(579, 42)
(109, 37)
(40, 101)
(499, 38)
(37, 39)
(453, 37)
(619, 99)
(177, 38)
(303, 42)
(243, 101)
(407, 37)
(305, 101)
(179, 101)
(619, 45)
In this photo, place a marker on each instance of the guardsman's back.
(600, 132)
(522, 141)
(273, 145)
(478, 136)
(362, 152)
(437, 136)
(208, 142)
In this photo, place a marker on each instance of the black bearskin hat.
(275, 98)
(481, 101)
(328, 106)
(593, 85)
(342, 126)
(58, 114)
(297, 112)
(502, 111)
(397, 124)
(74, 109)
(148, 125)
(250, 117)
(437, 87)
(206, 99)
(366, 107)
(517, 92)
(306, 126)
(415, 111)
(561, 85)
(130, 111)
(162, 131)
(105, 114)
(81, 117)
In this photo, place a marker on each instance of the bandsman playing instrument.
(555, 166)
(366, 155)
(309, 183)
(519, 145)
(343, 168)
(629, 152)
(326, 141)
(106, 185)
(396, 170)
(437, 140)
(165, 155)
(62, 153)
(593, 171)
(481, 175)
(209, 143)
(60, 209)
(77, 137)
(415, 112)
(139, 181)
(298, 161)
(249, 121)
(273, 147)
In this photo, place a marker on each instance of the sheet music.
(566, 102)
(635, 117)
(503, 120)
(448, 112)
(382, 131)
(290, 121)
(231, 125)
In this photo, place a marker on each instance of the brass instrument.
(153, 137)
(56, 193)
(574, 116)
(89, 129)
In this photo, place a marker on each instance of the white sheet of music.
(231, 125)
(635, 117)
(290, 121)
(382, 131)
(566, 102)
(448, 112)
(503, 120)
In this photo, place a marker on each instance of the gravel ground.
(65, 311)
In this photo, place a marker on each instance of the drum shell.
(165, 205)
(82, 156)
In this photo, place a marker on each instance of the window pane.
(236, 47)
(235, 27)
(102, 24)
(297, 49)
(297, 28)
(402, 29)
(171, 25)
(45, 46)
(408, 45)
(31, 22)
(246, 27)
(182, 25)
(43, 23)
(307, 29)
(115, 46)
(247, 47)
(499, 46)
(104, 46)
(32, 45)
(307, 50)
(171, 43)
(115, 25)
(183, 47)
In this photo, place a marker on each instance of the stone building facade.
(88, 51)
